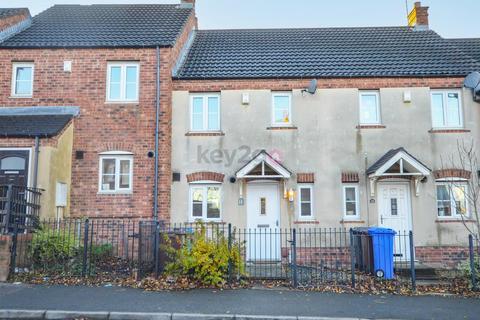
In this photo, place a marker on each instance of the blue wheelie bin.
(382, 243)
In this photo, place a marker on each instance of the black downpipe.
(157, 118)
(35, 167)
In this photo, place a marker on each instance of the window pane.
(125, 174)
(351, 209)
(23, 87)
(458, 194)
(108, 182)
(263, 206)
(437, 110)
(115, 75)
(213, 202)
(12, 163)
(444, 208)
(393, 207)
(442, 193)
(453, 110)
(197, 114)
(306, 209)
(213, 112)
(108, 166)
(350, 194)
(281, 106)
(369, 109)
(197, 202)
(24, 74)
(305, 194)
(131, 83)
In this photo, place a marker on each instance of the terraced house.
(137, 114)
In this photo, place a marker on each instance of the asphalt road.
(250, 302)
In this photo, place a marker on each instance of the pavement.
(22, 301)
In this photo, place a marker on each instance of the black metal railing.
(19, 208)
(474, 260)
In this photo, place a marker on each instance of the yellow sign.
(412, 17)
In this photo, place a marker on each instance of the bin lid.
(360, 230)
(378, 230)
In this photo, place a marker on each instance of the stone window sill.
(115, 193)
(448, 130)
(283, 128)
(205, 134)
(371, 126)
(306, 222)
(351, 221)
(453, 220)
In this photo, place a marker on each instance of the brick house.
(95, 67)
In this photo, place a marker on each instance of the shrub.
(205, 259)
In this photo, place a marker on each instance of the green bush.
(204, 259)
(52, 249)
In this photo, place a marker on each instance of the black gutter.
(35, 168)
(157, 118)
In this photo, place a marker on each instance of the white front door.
(263, 221)
(394, 213)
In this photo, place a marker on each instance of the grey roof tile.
(103, 26)
(469, 46)
(324, 52)
(33, 125)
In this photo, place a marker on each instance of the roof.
(324, 52)
(135, 25)
(8, 12)
(388, 156)
(33, 125)
(469, 46)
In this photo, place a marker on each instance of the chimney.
(188, 3)
(418, 17)
(13, 20)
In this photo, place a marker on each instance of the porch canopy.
(397, 163)
(263, 166)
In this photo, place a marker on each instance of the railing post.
(352, 258)
(156, 247)
(294, 258)
(13, 256)
(7, 209)
(230, 267)
(473, 270)
(85, 247)
(412, 261)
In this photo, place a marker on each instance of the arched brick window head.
(205, 176)
(452, 173)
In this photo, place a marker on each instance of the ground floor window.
(350, 202)
(115, 173)
(451, 199)
(205, 201)
(305, 205)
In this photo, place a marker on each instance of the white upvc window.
(305, 201)
(281, 109)
(205, 201)
(369, 108)
(351, 202)
(446, 109)
(22, 79)
(123, 81)
(452, 199)
(115, 172)
(205, 112)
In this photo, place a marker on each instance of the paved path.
(250, 302)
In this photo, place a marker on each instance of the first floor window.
(282, 109)
(451, 199)
(369, 108)
(446, 109)
(115, 173)
(350, 202)
(22, 80)
(205, 113)
(305, 201)
(205, 202)
(123, 81)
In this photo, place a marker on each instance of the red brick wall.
(5, 255)
(104, 126)
(442, 256)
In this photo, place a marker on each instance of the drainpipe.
(157, 118)
(35, 167)
(367, 191)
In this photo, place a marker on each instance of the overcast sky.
(450, 18)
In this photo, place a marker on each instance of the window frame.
(308, 186)
(281, 124)
(205, 123)
(455, 215)
(15, 66)
(123, 81)
(378, 109)
(444, 93)
(357, 202)
(204, 185)
(118, 157)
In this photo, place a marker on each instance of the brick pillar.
(5, 255)
(422, 15)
